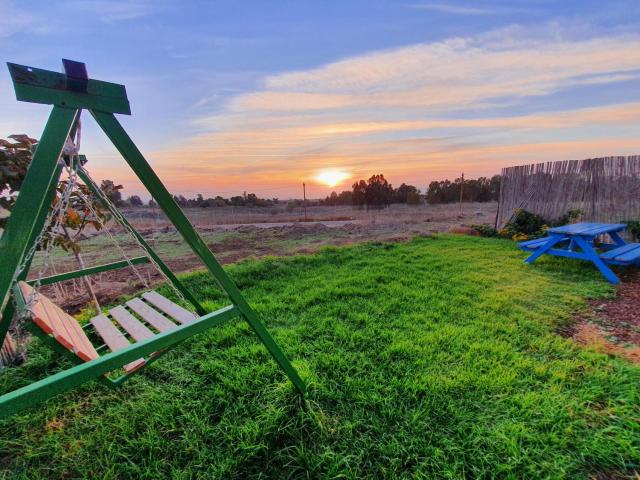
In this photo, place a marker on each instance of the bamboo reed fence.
(605, 189)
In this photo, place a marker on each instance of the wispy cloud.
(15, 20)
(456, 9)
(115, 10)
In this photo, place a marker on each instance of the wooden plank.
(43, 86)
(178, 313)
(630, 256)
(52, 320)
(533, 244)
(131, 324)
(613, 253)
(114, 339)
(151, 316)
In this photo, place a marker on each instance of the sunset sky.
(259, 96)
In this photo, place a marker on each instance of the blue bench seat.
(533, 244)
(624, 255)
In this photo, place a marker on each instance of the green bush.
(633, 227)
(485, 230)
(526, 225)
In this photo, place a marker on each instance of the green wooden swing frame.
(70, 93)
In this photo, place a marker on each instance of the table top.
(588, 229)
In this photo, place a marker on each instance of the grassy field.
(436, 358)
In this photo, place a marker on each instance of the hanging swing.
(130, 336)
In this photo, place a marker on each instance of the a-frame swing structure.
(70, 93)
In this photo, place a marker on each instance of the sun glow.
(332, 177)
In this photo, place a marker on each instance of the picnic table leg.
(617, 239)
(591, 254)
(545, 248)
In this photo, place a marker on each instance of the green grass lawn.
(436, 358)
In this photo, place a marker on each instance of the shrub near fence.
(604, 189)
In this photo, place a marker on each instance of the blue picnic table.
(578, 241)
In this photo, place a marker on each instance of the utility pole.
(461, 191)
(304, 200)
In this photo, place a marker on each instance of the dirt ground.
(613, 326)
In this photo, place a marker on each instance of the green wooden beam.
(61, 277)
(26, 213)
(145, 246)
(119, 137)
(40, 391)
(44, 86)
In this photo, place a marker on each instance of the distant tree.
(237, 201)
(112, 191)
(219, 202)
(135, 201)
(359, 193)
(402, 193)
(414, 198)
(482, 189)
(152, 203)
(379, 192)
(180, 200)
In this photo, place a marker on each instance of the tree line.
(114, 193)
(377, 192)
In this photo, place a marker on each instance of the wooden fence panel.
(606, 189)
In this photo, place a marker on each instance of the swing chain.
(57, 213)
(122, 221)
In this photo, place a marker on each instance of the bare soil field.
(235, 233)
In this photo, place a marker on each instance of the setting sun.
(332, 177)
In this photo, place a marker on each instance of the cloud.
(110, 11)
(15, 20)
(449, 75)
(406, 110)
(453, 9)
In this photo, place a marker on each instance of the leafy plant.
(633, 227)
(485, 230)
(81, 212)
(571, 216)
(15, 158)
(524, 225)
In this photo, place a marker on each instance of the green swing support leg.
(127, 148)
(23, 225)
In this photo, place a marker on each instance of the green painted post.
(26, 213)
(147, 248)
(148, 177)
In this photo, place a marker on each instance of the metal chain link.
(120, 219)
(58, 213)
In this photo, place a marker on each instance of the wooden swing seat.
(137, 320)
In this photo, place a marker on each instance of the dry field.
(235, 233)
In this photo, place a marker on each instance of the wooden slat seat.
(131, 324)
(114, 339)
(623, 255)
(167, 306)
(122, 326)
(151, 316)
(52, 320)
(533, 244)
